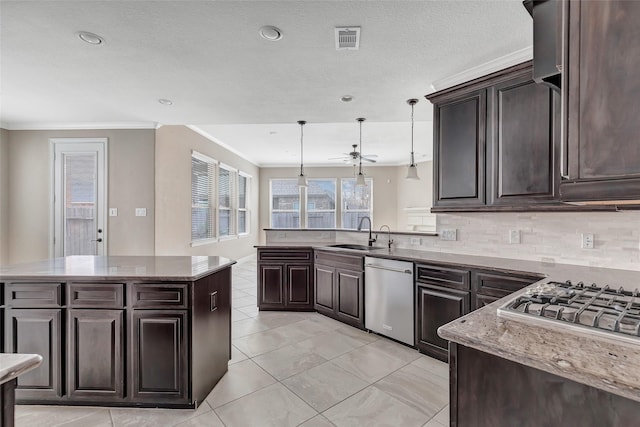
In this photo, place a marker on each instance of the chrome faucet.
(389, 241)
(371, 239)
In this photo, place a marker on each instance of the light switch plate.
(141, 211)
(449, 234)
(415, 241)
(587, 241)
(113, 211)
(514, 237)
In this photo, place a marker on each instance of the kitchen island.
(119, 330)
(506, 372)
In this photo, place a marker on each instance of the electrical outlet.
(514, 237)
(449, 234)
(415, 241)
(141, 211)
(113, 211)
(588, 241)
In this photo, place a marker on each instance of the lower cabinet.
(38, 331)
(159, 356)
(285, 279)
(491, 286)
(436, 306)
(95, 356)
(339, 287)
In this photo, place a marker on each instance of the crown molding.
(79, 126)
(489, 67)
(213, 139)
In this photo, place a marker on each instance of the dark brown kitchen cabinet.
(524, 147)
(339, 286)
(37, 331)
(285, 279)
(602, 101)
(459, 147)
(490, 286)
(495, 143)
(159, 364)
(442, 295)
(95, 356)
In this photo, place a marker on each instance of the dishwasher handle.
(397, 270)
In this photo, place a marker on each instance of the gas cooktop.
(605, 311)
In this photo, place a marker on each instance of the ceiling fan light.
(412, 172)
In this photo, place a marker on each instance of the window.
(227, 201)
(356, 202)
(285, 203)
(243, 203)
(321, 203)
(203, 212)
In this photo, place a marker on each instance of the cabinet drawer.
(501, 285)
(33, 295)
(96, 295)
(349, 262)
(443, 276)
(284, 255)
(148, 295)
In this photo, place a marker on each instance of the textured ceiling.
(207, 57)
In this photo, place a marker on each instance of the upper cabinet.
(495, 142)
(602, 101)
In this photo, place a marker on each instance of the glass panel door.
(79, 198)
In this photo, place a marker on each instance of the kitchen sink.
(355, 247)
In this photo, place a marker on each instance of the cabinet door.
(299, 286)
(95, 359)
(524, 119)
(37, 331)
(324, 289)
(436, 306)
(603, 101)
(271, 286)
(490, 287)
(349, 288)
(459, 150)
(159, 343)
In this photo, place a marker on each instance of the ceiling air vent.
(347, 38)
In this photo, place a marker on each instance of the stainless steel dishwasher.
(388, 298)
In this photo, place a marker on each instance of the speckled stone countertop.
(12, 365)
(118, 267)
(604, 363)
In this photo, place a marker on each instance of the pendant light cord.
(360, 157)
(301, 145)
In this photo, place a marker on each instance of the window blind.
(203, 213)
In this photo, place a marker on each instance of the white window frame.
(233, 202)
(271, 210)
(335, 210)
(246, 210)
(212, 198)
(369, 182)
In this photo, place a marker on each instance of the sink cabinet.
(339, 286)
(285, 279)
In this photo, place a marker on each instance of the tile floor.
(291, 369)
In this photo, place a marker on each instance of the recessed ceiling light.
(271, 33)
(346, 98)
(90, 38)
(165, 101)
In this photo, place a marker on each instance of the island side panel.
(211, 332)
(487, 390)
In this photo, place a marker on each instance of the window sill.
(203, 242)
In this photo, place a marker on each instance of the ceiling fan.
(354, 156)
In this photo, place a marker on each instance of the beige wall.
(4, 196)
(173, 194)
(131, 175)
(413, 194)
(385, 181)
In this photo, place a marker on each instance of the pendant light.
(412, 171)
(302, 180)
(360, 182)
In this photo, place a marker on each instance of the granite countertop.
(119, 267)
(601, 362)
(14, 364)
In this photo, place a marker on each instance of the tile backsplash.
(544, 236)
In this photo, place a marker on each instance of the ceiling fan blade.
(339, 158)
(373, 156)
(367, 159)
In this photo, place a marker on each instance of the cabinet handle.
(213, 303)
(397, 270)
